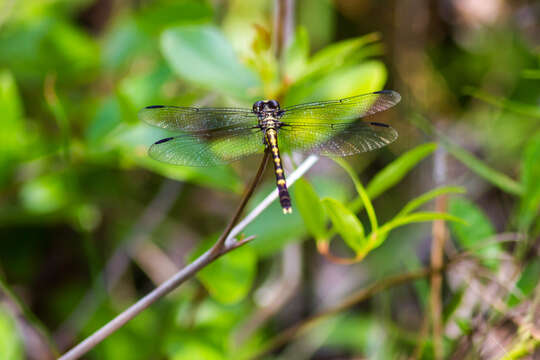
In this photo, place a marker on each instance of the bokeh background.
(89, 223)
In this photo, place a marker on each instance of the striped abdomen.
(284, 197)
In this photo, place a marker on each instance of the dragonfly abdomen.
(284, 197)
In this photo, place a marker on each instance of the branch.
(220, 248)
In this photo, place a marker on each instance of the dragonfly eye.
(258, 106)
(273, 104)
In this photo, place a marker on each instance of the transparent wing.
(208, 148)
(341, 111)
(336, 139)
(179, 118)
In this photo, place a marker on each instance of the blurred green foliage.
(77, 186)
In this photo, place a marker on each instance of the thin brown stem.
(439, 235)
(220, 248)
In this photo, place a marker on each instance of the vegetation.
(425, 249)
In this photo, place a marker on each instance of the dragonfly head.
(265, 106)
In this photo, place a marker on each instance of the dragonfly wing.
(209, 148)
(179, 118)
(336, 139)
(339, 111)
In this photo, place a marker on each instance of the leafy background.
(88, 223)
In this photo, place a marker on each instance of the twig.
(220, 248)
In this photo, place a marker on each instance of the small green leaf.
(477, 229)
(527, 281)
(530, 179)
(202, 55)
(489, 174)
(309, 206)
(428, 196)
(416, 218)
(10, 341)
(395, 171)
(229, 278)
(362, 192)
(346, 224)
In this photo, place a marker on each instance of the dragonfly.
(218, 136)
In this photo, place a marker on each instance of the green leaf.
(346, 224)
(10, 341)
(489, 174)
(344, 53)
(416, 218)
(296, 55)
(229, 278)
(343, 82)
(194, 349)
(13, 131)
(310, 208)
(530, 179)
(477, 229)
(527, 281)
(428, 196)
(201, 55)
(362, 192)
(394, 172)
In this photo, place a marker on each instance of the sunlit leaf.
(477, 229)
(201, 55)
(346, 224)
(229, 278)
(310, 207)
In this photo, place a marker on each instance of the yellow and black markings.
(284, 197)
